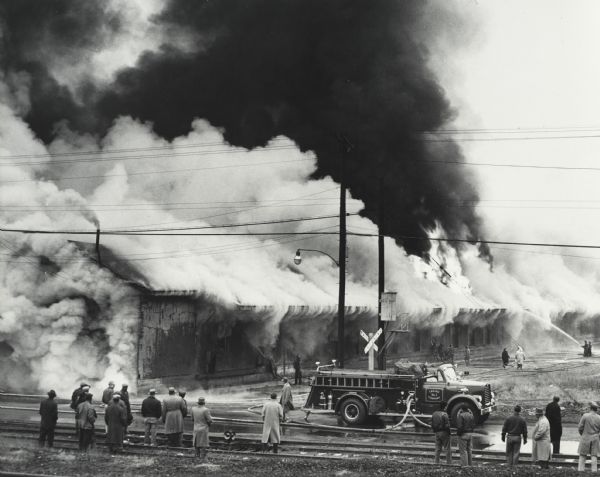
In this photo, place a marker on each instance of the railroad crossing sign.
(371, 340)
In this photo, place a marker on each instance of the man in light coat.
(286, 401)
(541, 449)
(115, 417)
(589, 443)
(202, 421)
(272, 415)
(519, 357)
(87, 417)
(173, 410)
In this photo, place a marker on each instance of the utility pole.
(342, 255)
(381, 361)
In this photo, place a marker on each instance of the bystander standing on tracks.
(465, 425)
(87, 417)
(151, 412)
(513, 429)
(49, 414)
(115, 417)
(125, 400)
(541, 449)
(589, 443)
(272, 415)
(554, 415)
(440, 424)
(108, 393)
(173, 409)
(202, 422)
(286, 401)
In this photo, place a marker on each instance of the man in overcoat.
(49, 414)
(202, 421)
(115, 417)
(173, 410)
(87, 417)
(541, 450)
(554, 415)
(589, 442)
(272, 415)
(286, 401)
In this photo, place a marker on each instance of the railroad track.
(249, 445)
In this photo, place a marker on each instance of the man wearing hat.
(87, 417)
(286, 401)
(202, 421)
(272, 415)
(151, 412)
(554, 415)
(77, 398)
(115, 417)
(514, 427)
(173, 409)
(108, 393)
(49, 413)
(541, 449)
(589, 443)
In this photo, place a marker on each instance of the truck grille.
(487, 394)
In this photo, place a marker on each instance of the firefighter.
(519, 357)
(297, 370)
(505, 358)
(467, 356)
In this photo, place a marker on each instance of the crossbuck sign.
(371, 341)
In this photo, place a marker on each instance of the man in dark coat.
(440, 424)
(125, 400)
(505, 358)
(151, 412)
(465, 424)
(49, 413)
(108, 393)
(297, 370)
(554, 415)
(115, 417)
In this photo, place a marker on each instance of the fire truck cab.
(354, 395)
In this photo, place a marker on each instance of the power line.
(505, 138)
(191, 154)
(519, 166)
(160, 172)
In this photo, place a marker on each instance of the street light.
(298, 256)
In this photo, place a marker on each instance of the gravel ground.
(26, 458)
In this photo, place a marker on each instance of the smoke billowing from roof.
(325, 74)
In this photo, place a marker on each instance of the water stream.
(562, 332)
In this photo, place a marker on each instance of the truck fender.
(360, 395)
(462, 398)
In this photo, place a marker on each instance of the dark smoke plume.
(345, 78)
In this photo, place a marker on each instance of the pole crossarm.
(317, 251)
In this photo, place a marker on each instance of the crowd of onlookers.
(545, 437)
(169, 413)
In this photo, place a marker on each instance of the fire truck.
(355, 395)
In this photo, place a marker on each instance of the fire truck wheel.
(461, 405)
(353, 411)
